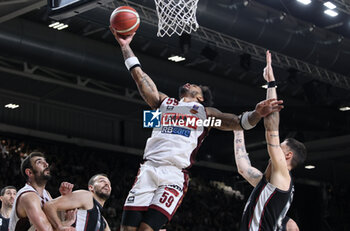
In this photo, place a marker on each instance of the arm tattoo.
(144, 81)
(127, 52)
(274, 135)
(244, 156)
(273, 145)
(253, 174)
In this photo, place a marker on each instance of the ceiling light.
(305, 2)
(310, 167)
(344, 108)
(264, 86)
(331, 13)
(54, 24)
(62, 27)
(58, 25)
(12, 106)
(329, 5)
(176, 58)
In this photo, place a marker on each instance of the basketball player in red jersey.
(162, 180)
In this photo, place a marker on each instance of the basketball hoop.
(176, 16)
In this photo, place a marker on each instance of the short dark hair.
(207, 96)
(2, 192)
(26, 163)
(299, 151)
(92, 179)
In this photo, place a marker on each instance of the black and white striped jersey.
(283, 226)
(90, 220)
(266, 207)
(4, 223)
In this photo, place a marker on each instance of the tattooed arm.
(271, 123)
(231, 122)
(145, 85)
(251, 174)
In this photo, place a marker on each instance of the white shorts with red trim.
(157, 187)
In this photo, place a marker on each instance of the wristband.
(245, 122)
(271, 84)
(132, 62)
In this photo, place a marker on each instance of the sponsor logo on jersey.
(173, 191)
(174, 186)
(170, 108)
(131, 199)
(176, 131)
(194, 109)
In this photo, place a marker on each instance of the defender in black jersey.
(89, 204)
(7, 197)
(273, 193)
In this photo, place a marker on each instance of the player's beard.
(41, 177)
(102, 195)
(184, 91)
(9, 204)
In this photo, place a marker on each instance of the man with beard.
(28, 213)
(7, 197)
(163, 178)
(89, 205)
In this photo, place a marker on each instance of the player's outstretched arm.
(77, 199)
(271, 123)
(145, 84)
(245, 169)
(31, 205)
(246, 120)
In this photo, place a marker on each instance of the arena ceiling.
(83, 67)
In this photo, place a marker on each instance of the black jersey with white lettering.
(4, 223)
(90, 220)
(266, 207)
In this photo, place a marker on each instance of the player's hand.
(70, 217)
(66, 188)
(268, 106)
(123, 40)
(268, 71)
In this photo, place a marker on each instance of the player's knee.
(127, 228)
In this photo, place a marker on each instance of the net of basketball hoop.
(176, 16)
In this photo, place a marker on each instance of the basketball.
(125, 20)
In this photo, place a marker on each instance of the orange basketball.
(125, 20)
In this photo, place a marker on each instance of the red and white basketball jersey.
(178, 138)
(17, 223)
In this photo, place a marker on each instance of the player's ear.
(28, 172)
(289, 155)
(200, 98)
(91, 188)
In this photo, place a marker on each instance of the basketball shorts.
(158, 187)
